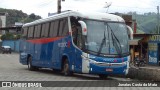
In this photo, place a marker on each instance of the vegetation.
(7, 36)
(13, 16)
(10, 36)
(18, 16)
(146, 22)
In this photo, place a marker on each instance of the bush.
(18, 36)
(7, 36)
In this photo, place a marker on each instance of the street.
(12, 70)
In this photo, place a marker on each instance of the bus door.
(78, 51)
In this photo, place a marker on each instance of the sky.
(43, 7)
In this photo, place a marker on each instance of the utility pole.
(158, 18)
(59, 6)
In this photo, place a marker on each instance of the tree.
(34, 17)
(7, 36)
(18, 16)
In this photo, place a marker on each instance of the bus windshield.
(106, 38)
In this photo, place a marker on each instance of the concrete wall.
(14, 44)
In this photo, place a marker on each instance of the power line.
(46, 3)
(133, 7)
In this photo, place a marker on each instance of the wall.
(14, 44)
(154, 49)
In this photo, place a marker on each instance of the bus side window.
(53, 29)
(46, 29)
(79, 37)
(31, 32)
(74, 33)
(65, 29)
(39, 31)
(25, 31)
(61, 22)
(43, 30)
(36, 31)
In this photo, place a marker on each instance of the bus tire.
(103, 76)
(30, 67)
(66, 70)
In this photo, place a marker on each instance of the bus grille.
(109, 64)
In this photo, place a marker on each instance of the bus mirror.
(84, 27)
(130, 32)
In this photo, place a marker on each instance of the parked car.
(6, 49)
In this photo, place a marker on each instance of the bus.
(77, 42)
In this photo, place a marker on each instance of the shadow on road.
(75, 75)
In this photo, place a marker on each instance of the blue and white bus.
(77, 42)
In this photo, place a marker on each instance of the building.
(154, 49)
(139, 46)
(2, 21)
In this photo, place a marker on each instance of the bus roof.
(87, 15)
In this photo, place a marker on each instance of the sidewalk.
(151, 67)
(146, 66)
(147, 72)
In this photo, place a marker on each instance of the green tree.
(18, 16)
(7, 36)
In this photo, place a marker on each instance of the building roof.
(10, 28)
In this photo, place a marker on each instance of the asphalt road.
(12, 70)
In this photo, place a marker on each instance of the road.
(12, 70)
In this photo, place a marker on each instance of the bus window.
(61, 27)
(39, 31)
(74, 34)
(46, 29)
(36, 32)
(53, 29)
(43, 30)
(79, 38)
(65, 28)
(30, 32)
(25, 31)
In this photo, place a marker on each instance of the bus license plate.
(109, 70)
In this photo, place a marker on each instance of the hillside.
(146, 22)
(18, 16)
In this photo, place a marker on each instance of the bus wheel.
(103, 76)
(66, 68)
(30, 67)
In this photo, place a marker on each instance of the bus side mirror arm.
(84, 27)
(131, 32)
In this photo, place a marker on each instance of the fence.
(14, 44)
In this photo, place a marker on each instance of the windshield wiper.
(116, 42)
(103, 41)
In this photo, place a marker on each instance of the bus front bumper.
(114, 69)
